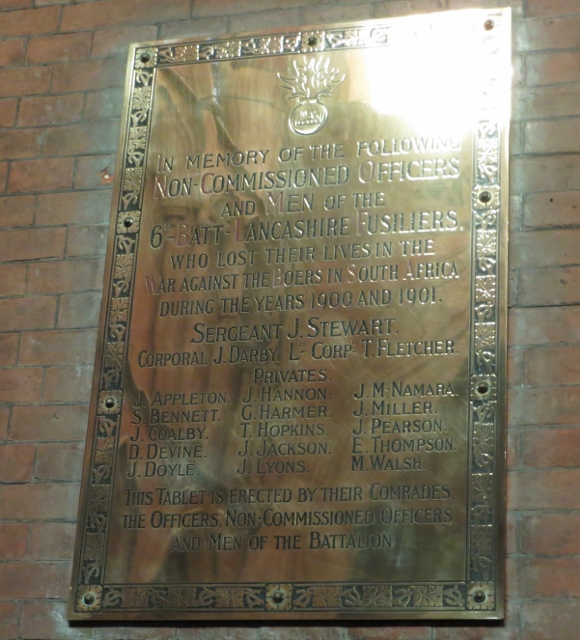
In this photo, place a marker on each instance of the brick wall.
(61, 72)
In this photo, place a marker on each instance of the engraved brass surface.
(299, 389)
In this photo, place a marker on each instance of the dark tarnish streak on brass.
(299, 389)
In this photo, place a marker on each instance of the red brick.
(8, 112)
(8, 348)
(36, 312)
(65, 276)
(20, 385)
(535, 8)
(17, 4)
(86, 241)
(558, 136)
(553, 365)
(551, 534)
(47, 620)
(78, 139)
(550, 619)
(237, 633)
(273, 19)
(515, 212)
(545, 405)
(59, 462)
(551, 447)
(552, 209)
(9, 620)
(59, 48)
(24, 81)
(57, 347)
(51, 540)
(547, 325)
(50, 174)
(16, 462)
(20, 143)
(13, 541)
(113, 42)
(3, 176)
(536, 490)
(516, 139)
(395, 631)
(508, 629)
(517, 70)
(266, 633)
(325, 14)
(68, 384)
(32, 244)
(50, 110)
(512, 534)
(549, 286)
(552, 33)
(148, 633)
(203, 8)
(552, 68)
(17, 211)
(196, 27)
(47, 423)
(545, 102)
(286, 632)
(43, 501)
(513, 449)
(548, 577)
(106, 104)
(515, 367)
(117, 12)
(31, 580)
(395, 8)
(544, 173)
(4, 417)
(90, 169)
(513, 288)
(11, 52)
(88, 75)
(79, 310)
(544, 248)
(29, 21)
(74, 207)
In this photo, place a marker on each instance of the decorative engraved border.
(284, 597)
(297, 42)
(485, 315)
(90, 594)
(89, 597)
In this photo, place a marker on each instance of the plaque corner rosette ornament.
(298, 405)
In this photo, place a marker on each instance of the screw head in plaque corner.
(310, 80)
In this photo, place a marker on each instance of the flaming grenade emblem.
(310, 81)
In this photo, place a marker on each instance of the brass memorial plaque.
(298, 401)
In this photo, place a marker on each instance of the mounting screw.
(485, 197)
(480, 596)
(128, 222)
(278, 597)
(312, 41)
(110, 403)
(145, 57)
(89, 599)
(482, 388)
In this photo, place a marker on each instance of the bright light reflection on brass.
(299, 390)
